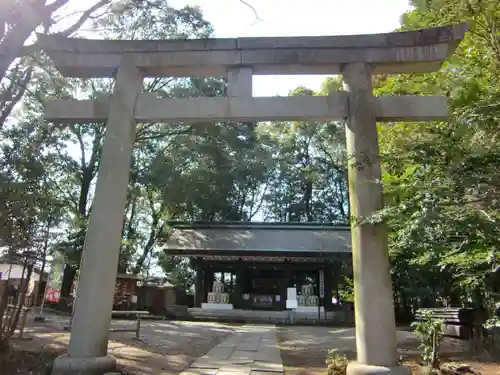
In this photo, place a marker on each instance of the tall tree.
(308, 179)
(19, 51)
(442, 179)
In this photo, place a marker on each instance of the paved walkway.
(251, 350)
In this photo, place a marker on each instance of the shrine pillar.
(87, 352)
(237, 299)
(374, 308)
(198, 284)
(328, 275)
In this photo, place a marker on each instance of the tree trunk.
(3, 307)
(45, 248)
(20, 302)
(69, 274)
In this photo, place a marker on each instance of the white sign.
(321, 284)
(291, 298)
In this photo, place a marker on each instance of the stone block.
(235, 370)
(199, 371)
(268, 366)
(247, 348)
(272, 356)
(239, 355)
(206, 363)
(219, 353)
(361, 369)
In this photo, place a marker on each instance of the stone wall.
(338, 317)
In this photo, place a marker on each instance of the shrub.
(429, 332)
(336, 363)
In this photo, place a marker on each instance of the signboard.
(291, 298)
(321, 284)
(55, 279)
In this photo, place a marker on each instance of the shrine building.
(249, 266)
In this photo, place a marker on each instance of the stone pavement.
(251, 350)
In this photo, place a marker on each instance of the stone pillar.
(239, 81)
(374, 308)
(239, 84)
(198, 292)
(87, 352)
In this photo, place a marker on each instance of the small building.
(252, 266)
(162, 299)
(125, 297)
(14, 273)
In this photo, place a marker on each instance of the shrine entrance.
(356, 57)
(249, 266)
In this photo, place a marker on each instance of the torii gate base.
(356, 57)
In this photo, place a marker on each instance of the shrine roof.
(250, 238)
(262, 225)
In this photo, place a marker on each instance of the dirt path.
(165, 348)
(304, 349)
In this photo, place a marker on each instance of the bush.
(429, 332)
(336, 363)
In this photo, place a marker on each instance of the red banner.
(53, 295)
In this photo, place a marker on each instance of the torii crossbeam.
(356, 57)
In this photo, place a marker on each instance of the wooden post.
(138, 328)
(198, 285)
(238, 302)
(24, 316)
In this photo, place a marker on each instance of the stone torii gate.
(356, 57)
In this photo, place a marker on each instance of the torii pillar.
(376, 342)
(357, 57)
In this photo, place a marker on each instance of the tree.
(308, 178)
(19, 56)
(441, 179)
(145, 213)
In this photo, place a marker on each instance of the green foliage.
(346, 289)
(429, 332)
(178, 271)
(336, 363)
(441, 179)
(307, 178)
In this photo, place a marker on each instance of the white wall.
(15, 272)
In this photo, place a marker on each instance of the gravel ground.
(304, 349)
(165, 347)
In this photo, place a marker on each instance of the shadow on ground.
(304, 349)
(165, 347)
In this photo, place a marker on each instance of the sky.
(231, 18)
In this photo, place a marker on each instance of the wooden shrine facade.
(251, 265)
